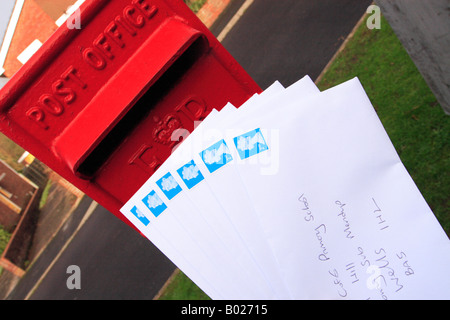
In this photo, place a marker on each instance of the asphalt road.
(115, 262)
(285, 40)
(274, 40)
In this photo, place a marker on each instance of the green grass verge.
(4, 239)
(5, 236)
(10, 152)
(195, 5)
(415, 122)
(182, 288)
(45, 194)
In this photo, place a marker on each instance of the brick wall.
(33, 24)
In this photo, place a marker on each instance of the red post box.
(100, 104)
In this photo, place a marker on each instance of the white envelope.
(227, 186)
(202, 230)
(295, 195)
(342, 215)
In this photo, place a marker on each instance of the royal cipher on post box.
(99, 104)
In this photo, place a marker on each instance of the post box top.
(74, 64)
(95, 14)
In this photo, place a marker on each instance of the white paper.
(203, 228)
(295, 195)
(232, 193)
(342, 215)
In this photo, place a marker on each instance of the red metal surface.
(99, 104)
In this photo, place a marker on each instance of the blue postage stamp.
(216, 156)
(169, 186)
(138, 214)
(250, 144)
(154, 203)
(190, 174)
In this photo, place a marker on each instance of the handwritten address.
(380, 272)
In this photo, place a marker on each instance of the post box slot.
(128, 97)
(141, 109)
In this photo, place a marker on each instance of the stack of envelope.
(296, 194)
